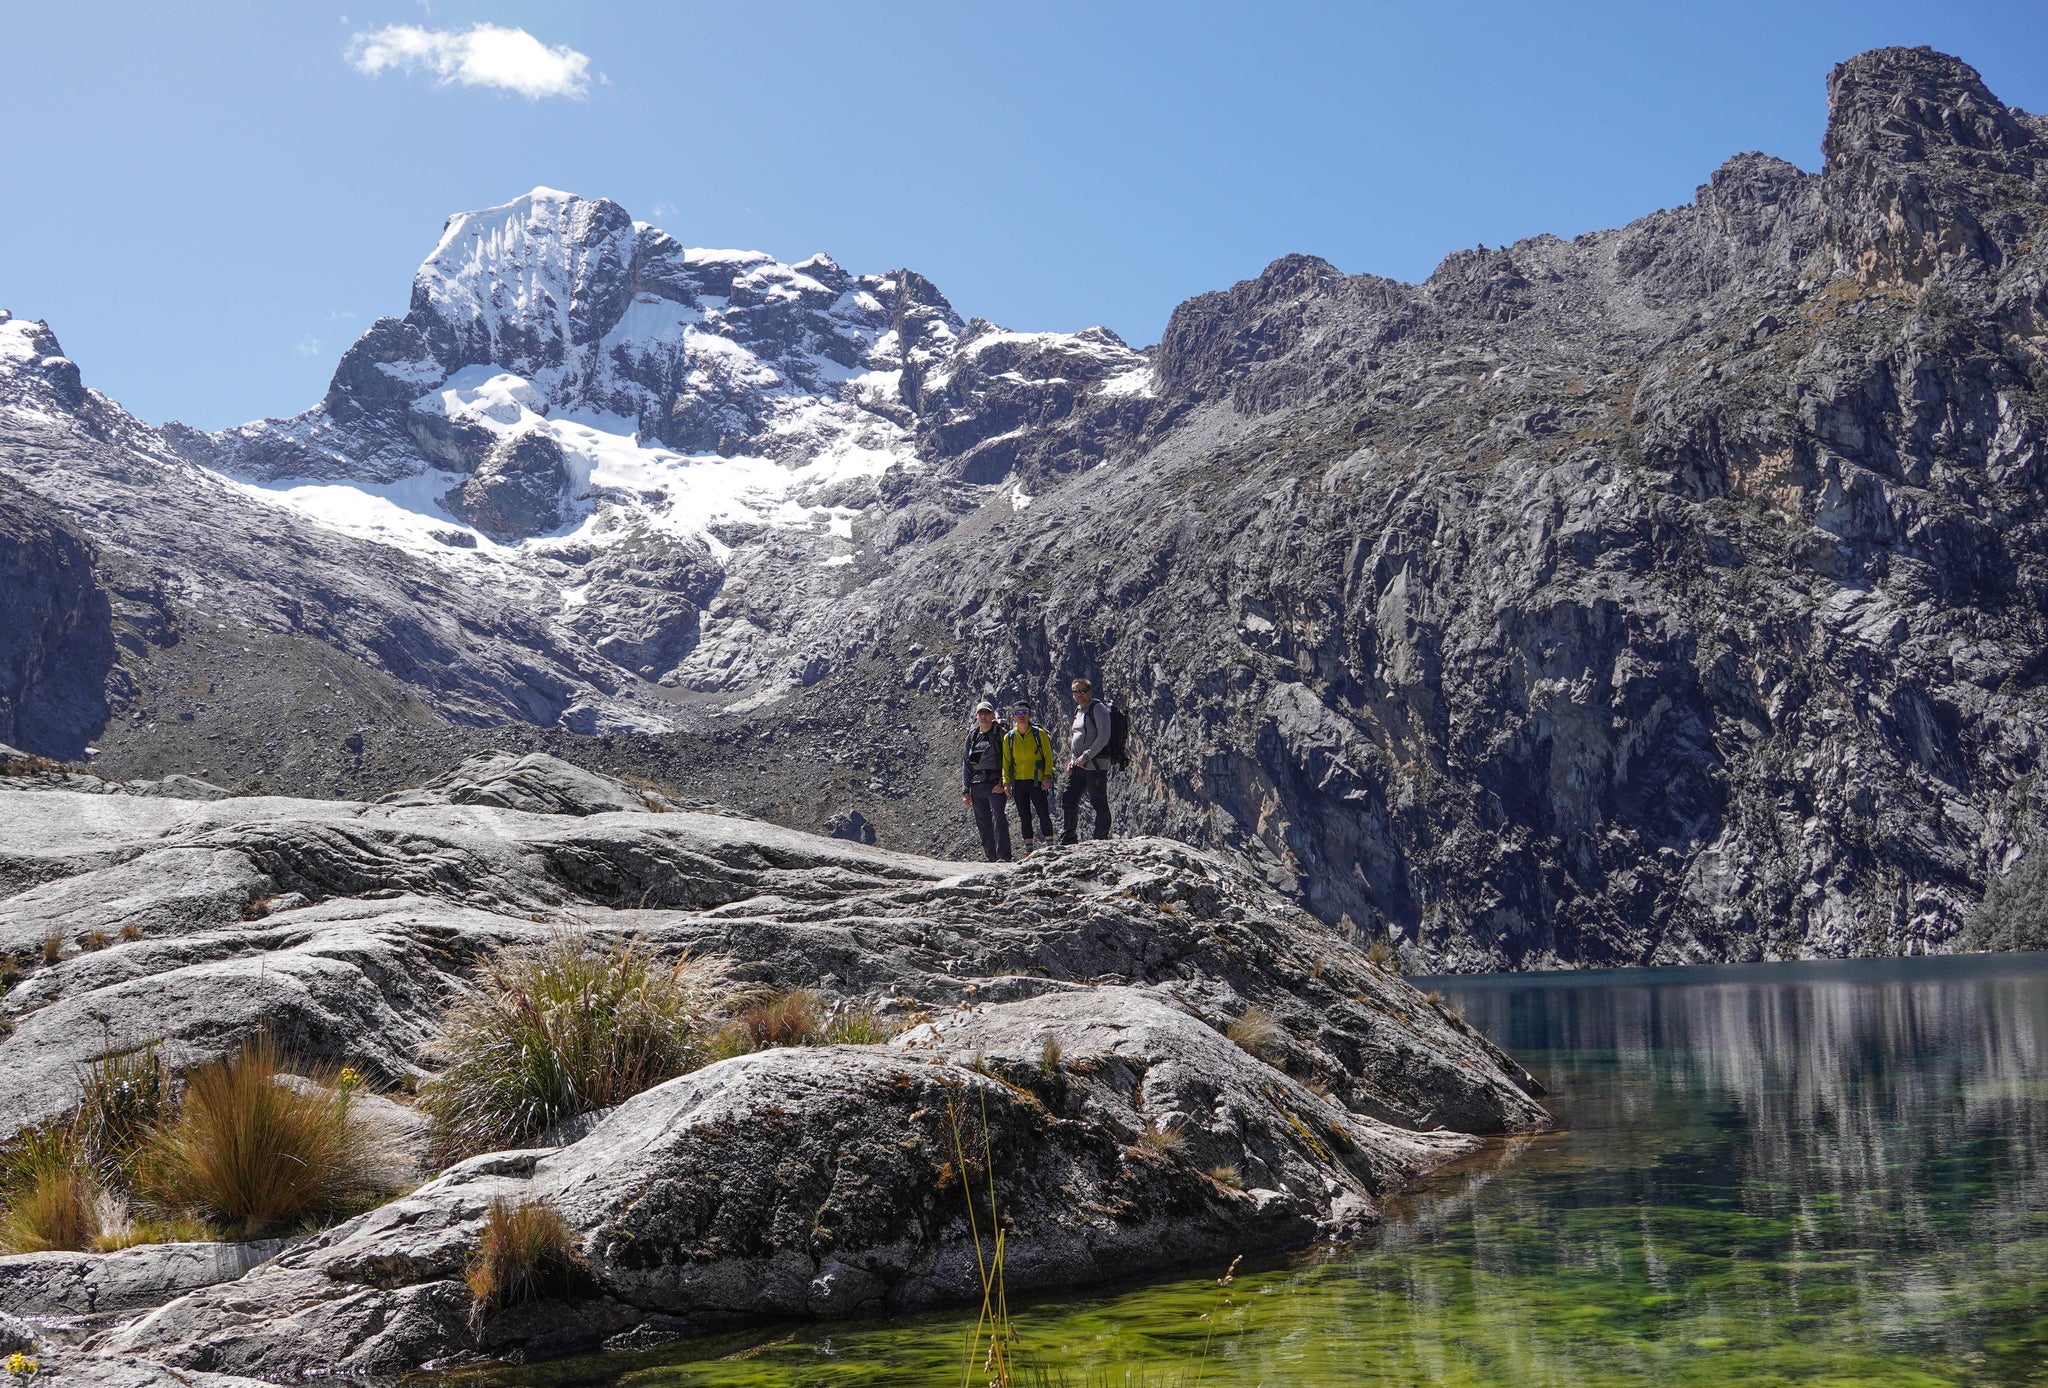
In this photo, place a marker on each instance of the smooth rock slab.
(91, 1284)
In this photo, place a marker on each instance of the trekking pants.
(990, 818)
(1029, 796)
(1092, 782)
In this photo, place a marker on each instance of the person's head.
(1084, 692)
(1020, 714)
(985, 715)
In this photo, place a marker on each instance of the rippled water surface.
(1822, 1174)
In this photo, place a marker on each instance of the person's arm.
(1009, 760)
(967, 766)
(1097, 729)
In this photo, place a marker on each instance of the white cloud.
(309, 346)
(511, 60)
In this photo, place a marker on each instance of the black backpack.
(1118, 750)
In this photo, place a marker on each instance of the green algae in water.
(1821, 1175)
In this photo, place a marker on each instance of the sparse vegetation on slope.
(254, 1155)
(562, 1029)
(525, 1253)
(2014, 914)
(238, 1150)
(52, 1200)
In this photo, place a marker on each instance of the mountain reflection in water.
(1769, 1174)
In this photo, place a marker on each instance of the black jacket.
(981, 759)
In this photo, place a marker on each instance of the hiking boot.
(1068, 840)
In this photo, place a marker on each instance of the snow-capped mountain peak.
(553, 308)
(568, 382)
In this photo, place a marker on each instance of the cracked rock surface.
(787, 1183)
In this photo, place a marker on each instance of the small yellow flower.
(351, 1079)
(19, 1365)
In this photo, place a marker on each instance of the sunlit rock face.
(1674, 592)
(1083, 1002)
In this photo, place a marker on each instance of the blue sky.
(208, 202)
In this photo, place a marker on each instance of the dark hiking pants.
(990, 818)
(1030, 796)
(1092, 782)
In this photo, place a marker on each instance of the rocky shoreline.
(1073, 1014)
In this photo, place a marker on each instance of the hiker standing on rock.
(1028, 771)
(981, 781)
(1087, 770)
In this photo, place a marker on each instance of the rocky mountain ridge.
(1674, 592)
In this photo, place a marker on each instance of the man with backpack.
(1093, 749)
(1028, 771)
(981, 781)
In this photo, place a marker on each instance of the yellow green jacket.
(1027, 758)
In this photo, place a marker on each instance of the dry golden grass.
(131, 1232)
(1163, 1141)
(57, 1211)
(254, 1156)
(793, 1018)
(525, 1253)
(1260, 1034)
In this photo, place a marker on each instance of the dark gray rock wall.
(1675, 592)
(56, 633)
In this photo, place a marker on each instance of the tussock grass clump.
(525, 1253)
(562, 1029)
(1260, 1034)
(56, 1212)
(52, 1200)
(1228, 1176)
(1162, 1141)
(93, 940)
(1382, 952)
(799, 1017)
(35, 1152)
(121, 1100)
(860, 1026)
(793, 1018)
(53, 949)
(252, 1155)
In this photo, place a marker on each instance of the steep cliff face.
(1673, 592)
